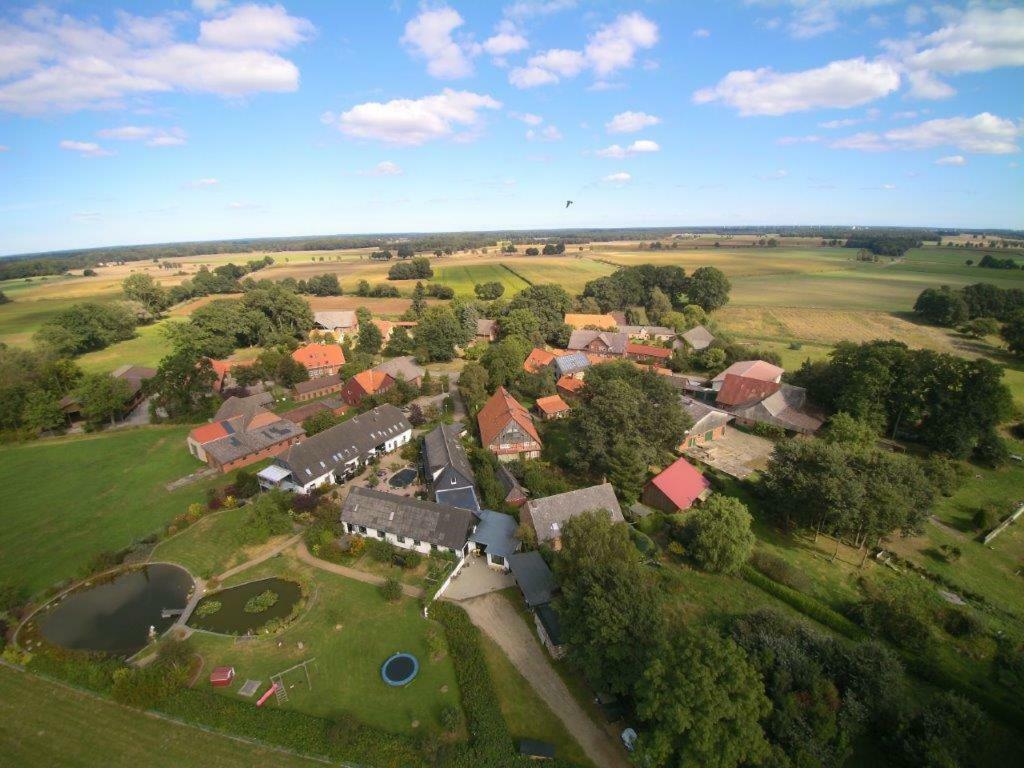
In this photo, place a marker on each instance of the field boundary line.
(507, 267)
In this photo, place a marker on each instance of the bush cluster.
(803, 603)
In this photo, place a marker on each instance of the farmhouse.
(339, 324)
(697, 338)
(601, 343)
(318, 387)
(645, 353)
(754, 370)
(319, 359)
(338, 453)
(447, 469)
(677, 488)
(404, 367)
(243, 432)
(222, 371)
(548, 515)
(647, 332)
(552, 407)
(486, 329)
(506, 428)
(708, 423)
(364, 384)
(538, 360)
(602, 322)
(407, 522)
(573, 365)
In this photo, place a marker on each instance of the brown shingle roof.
(498, 411)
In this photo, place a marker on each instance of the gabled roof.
(319, 355)
(704, 417)
(484, 326)
(445, 458)
(569, 385)
(514, 492)
(533, 576)
(681, 483)
(698, 337)
(646, 330)
(246, 407)
(341, 319)
(537, 360)
(498, 411)
(787, 408)
(305, 411)
(372, 380)
(606, 322)
(752, 369)
(207, 433)
(409, 517)
(646, 350)
(552, 404)
(262, 435)
(312, 385)
(405, 366)
(497, 532)
(550, 513)
(741, 391)
(615, 342)
(573, 362)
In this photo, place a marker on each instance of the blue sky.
(179, 121)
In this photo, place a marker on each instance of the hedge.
(803, 603)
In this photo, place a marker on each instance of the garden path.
(498, 620)
(260, 558)
(368, 578)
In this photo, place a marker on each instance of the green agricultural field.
(350, 630)
(462, 278)
(569, 271)
(68, 499)
(43, 724)
(20, 319)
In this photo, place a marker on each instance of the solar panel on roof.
(228, 427)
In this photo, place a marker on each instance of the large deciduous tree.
(708, 288)
(548, 303)
(720, 535)
(148, 292)
(437, 334)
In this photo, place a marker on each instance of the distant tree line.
(989, 261)
(893, 246)
(416, 269)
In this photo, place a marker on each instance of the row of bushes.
(803, 603)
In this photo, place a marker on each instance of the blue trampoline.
(400, 669)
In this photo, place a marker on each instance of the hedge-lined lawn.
(43, 724)
(148, 348)
(68, 499)
(461, 278)
(350, 630)
(526, 714)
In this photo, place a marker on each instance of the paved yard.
(498, 620)
(737, 453)
(476, 579)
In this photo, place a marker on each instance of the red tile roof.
(740, 390)
(319, 355)
(498, 411)
(208, 432)
(752, 369)
(570, 385)
(372, 381)
(537, 360)
(681, 483)
(552, 404)
(647, 350)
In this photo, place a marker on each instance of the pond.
(233, 619)
(114, 615)
(402, 478)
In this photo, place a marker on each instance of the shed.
(222, 676)
(533, 576)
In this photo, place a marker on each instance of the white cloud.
(908, 114)
(778, 175)
(415, 121)
(56, 62)
(640, 146)
(611, 48)
(617, 178)
(887, 187)
(984, 133)
(527, 117)
(925, 85)
(630, 122)
(429, 36)
(386, 168)
(915, 15)
(507, 39)
(785, 141)
(548, 133)
(980, 40)
(153, 137)
(843, 123)
(203, 183)
(702, 33)
(810, 18)
(952, 160)
(839, 84)
(208, 6)
(525, 9)
(85, 148)
(239, 205)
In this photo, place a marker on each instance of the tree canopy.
(720, 535)
(708, 288)
(86, 327)
(548, 303)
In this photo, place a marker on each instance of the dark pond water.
(232, 619)
(402, 478)
(115, 616)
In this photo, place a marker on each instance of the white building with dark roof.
(407, 522)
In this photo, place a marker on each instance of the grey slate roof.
(334, 447)
(533, 576)
(705, 418)
(496, 532)
(698, 337)
(402, 366)
(405, 516)
(616, 341)
(787, 408)
(508, 481)
(572, 363)
(445, 459)
(550, 513)
(243, 443)
(321, 382)
(243, 406)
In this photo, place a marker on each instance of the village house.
(311, 389)
(407, 522)
(404, 367)
(567, 386)
(243, 432)
(338, 453)
(601, 322)
(447, 468)
(222, 371)
(552, 407)
(515, 494)
(572, 364)
(486, 329)
(319, 359)
(506, 428)
(338, 324)
(647, 332)
(754, 370)
(603, 343)
(365, 384)
(645, 353)
(387, 327)
(753, 392)
(708, 423)
(538, 360)
(547, 516)
(697, 338)
(676, 488)
(135, 376)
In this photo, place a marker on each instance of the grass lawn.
(350, 630)
(68, 499)
(148, 348)
(526, 714)
(43, 724)
(462, 278)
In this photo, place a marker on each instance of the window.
(709, 435)
(434, 547)
(400, 539)
(497, 559)
(380, 534)
(416, 542)
(362, 529)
